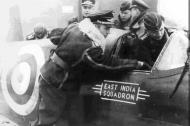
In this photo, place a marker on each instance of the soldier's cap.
(39, 28)
(102, 17)
(126, 5)
(153, 21)
(141, 4)
(88, 2)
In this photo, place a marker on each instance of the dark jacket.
(131, 48)
(135, 26)
(155, 46)
(128, 46)
(71, 50)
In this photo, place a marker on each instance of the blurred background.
(18, 17)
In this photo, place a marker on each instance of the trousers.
(51, 104)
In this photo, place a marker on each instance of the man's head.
(55, 35)
(154, 25)
(104, 29)
(40, 31)
(125, 10)
(138, 7)
(103, 20)
(87, 7)
(131, 9)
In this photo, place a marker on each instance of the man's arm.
(95, 58)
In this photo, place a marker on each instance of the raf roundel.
(20, 79)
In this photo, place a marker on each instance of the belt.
(57, 60)
(59, 86)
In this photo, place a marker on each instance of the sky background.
(176, 10)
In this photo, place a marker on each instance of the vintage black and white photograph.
(94, 63)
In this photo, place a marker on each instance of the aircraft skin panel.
(160, 106)
(156, 110)
(19, 89)
(122, 119)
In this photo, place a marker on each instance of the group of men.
(82, 45)
(146, 35)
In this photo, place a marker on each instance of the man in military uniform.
(131, 19)
(157, 34)
(79, 46)
(40, 32)
(87, 8)
(131, 15)
(130, 48)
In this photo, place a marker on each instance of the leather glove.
(95, 52)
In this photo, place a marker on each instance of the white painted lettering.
(119, 94)
(132, 97)
(123, 95)
(104, 93)
(122, 88)
(105, 86)
(128, 96)
(133, 90)
(115, 95)
(116, 87)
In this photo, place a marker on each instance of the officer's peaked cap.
(102, 17)
(140, 4)
(126, 5)
(88, 2)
